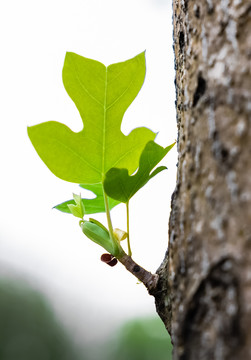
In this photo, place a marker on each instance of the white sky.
(44, 245)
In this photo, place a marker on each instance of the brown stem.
(148, 279)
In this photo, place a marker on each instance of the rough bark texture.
(204, 293)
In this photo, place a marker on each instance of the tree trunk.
(204, 293)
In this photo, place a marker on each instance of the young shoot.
(100, 157)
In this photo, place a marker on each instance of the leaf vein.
(76, 154)
(120, 96)
(85, 89)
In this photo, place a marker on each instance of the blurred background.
(44, 257)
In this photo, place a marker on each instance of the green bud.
(100, 235)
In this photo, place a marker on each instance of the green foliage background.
(29, 330)
(141, 339)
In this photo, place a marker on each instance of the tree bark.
(204, 290)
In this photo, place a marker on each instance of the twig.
(146, 277)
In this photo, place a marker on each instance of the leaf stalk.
(128, 229)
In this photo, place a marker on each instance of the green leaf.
(119, 185)
(74, 210)
(92, 206)
(78, 209)
(102, 95)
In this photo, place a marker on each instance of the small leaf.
(92, 206)
(97, 205)
(78, 201)
(102, 95)
(77, 209)
(74, 210)
(119, 185)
